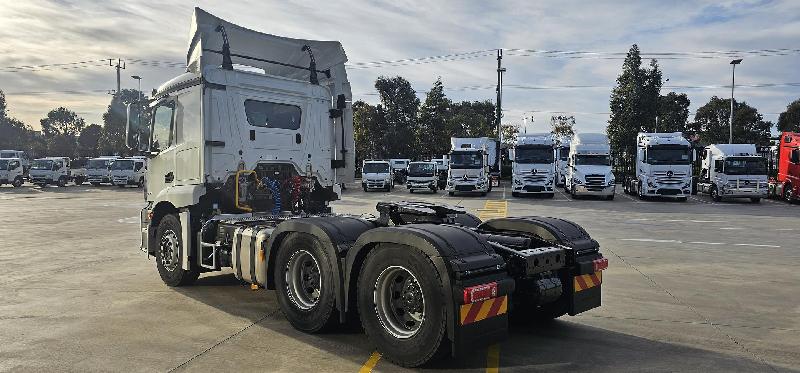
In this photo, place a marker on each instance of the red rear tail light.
(478, 293)
(600, 264)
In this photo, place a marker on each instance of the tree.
(88, 140)
(749, 126)
(60, 129)
(673, 113)
(633, 105)
(789, 120)
(367, 120)
(400, 104)
(433, 136)
(562, 125)
(510, 132)
(112, 139)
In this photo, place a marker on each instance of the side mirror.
(137, 134)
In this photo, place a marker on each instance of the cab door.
(162, 142)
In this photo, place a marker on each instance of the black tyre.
(715, 194)
(79, 180)
(140, 184)
(549, 195)
(639, 192)
(170, 245)
(451, 194)
(62, 182)
(755, 200)
(610, 198)
(515, 194)
(304, 283)
(572, 193)
(401, 305)
(365, 188)
(95, 184)
(468, 220)
(17, 182)
(411, 191)
(483, 194)
(787, 193)
(121, 185)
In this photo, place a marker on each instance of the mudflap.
(482, 323)
(585, 300)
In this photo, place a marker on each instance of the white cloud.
(42, 32)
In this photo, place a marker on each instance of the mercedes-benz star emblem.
(669, 173)
(465, 177)
(533, 171)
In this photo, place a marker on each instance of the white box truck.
(471, 163)
(733, 171)
(245, 184)
(534, 165)
(663, 167)
(589, 171)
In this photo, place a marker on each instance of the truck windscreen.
(592, 160)
(41, 164)
(97, 164)
(538, 155)
(421, 169)
(466, 160)
(8, 155)
(745, 166)
(3, 164)
(376, 168)
(122, 165)
(668, 154)
(563, 153)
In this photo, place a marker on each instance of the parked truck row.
(16, 168)
(242, 175)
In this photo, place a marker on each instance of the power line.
(51, 67)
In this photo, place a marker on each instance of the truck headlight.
(517, 182)
(576, 181)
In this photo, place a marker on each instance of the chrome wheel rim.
(303, 280)
(399, 302)
(169, 248)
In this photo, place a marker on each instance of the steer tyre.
(451, 194)
(401, 305)
(787, 193)
(169, 246)
(62, 182)
(715, 194)
(17, 182)
(304, 283)
(755, 200)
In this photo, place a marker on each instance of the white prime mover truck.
(12, 172)
(733, 171)
(98, 170)
(562, 160)
(534, 166)
(471, 163)
(663, 167)
(589, 171)
(242, 166)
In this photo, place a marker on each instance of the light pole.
(139, 80)
(658, 104)
(733, 83)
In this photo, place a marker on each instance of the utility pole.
(119, 66)
(499, 115)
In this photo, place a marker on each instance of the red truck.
(787, 184)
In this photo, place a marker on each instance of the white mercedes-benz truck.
(663, 167)
(377, 175)
(534, 165)
(733, 171)
(422, 176)
(562, 160)
(589, 171)
(98, 170)
(242, 165)
(12, 172)
(471, 162)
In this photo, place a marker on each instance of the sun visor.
(206, 43)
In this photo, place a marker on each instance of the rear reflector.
(600, 264)
(478, 293)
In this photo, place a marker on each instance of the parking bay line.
(698, 242)
(370, 363)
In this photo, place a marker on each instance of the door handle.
(168, 178)
(298, 138)
(252, 135)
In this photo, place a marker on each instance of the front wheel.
(17, 182)
(610, 198)
(95, 184)
(715, 194)
(62, 182)
(401, 304)
(168, 253)
(755, 200)
(304, 283)
(140, 183)
(787, 193)
(79, 180)
(451, 194)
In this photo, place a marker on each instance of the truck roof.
(742, 150)
(589, 138)
(375, 161)
(534, 139)
(673, 138)
(53, 158)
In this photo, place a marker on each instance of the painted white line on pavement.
(697, 242)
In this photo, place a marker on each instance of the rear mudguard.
(460, 255)
(555, 230)
(337, 234)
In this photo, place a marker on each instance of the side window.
(718, 165)
(138, 166)
(795, 156)
(162, 126)
(272, 115)
(14, 165)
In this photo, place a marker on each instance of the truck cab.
(77, 169)
(377, 175)
(98, 170)
(442, 168)
(50, 170)
(129, 171)
(534, 167)
(663, 166)
(11, 172)
(562, 161)
(422, 176)
(399, 169)
(471, 163)
(589, 169)
(19, 154)
(787, 183)
(733, 171)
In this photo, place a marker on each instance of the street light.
(733, 83)
(139, 80)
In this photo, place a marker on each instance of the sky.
(538, 37)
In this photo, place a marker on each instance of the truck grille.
(120, 180)
(662, 177)
(595, 180)
(535, 179)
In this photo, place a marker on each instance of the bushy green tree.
(88, 140)
(673, 113)
(789, 120)
(400, 105)
(432, 136)
(367, 122)
(562, 125)
(60, 129)
(112, 139)
(749, 126)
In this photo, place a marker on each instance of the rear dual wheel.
(401, 305)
